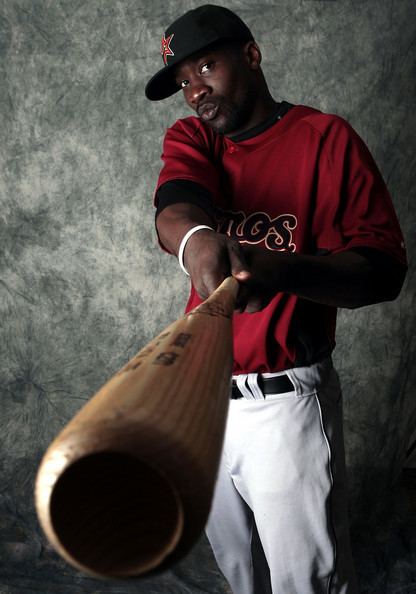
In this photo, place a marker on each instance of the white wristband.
(184, 241)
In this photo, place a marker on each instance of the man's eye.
(184, 83)
(206, 67)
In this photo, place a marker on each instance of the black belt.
(268, 385)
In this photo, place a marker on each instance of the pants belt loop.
(241, 385)
(254, 386)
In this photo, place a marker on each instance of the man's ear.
(253, 55)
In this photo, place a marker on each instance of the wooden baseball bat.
(126, 488)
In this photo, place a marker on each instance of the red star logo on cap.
(165, 49)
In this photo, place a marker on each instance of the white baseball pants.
(282, 483)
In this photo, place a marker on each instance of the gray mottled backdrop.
(83, 284)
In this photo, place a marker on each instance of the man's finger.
(238, 263)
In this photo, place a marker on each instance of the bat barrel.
(125, 488)
(114, 515)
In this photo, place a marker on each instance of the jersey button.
(232, 149)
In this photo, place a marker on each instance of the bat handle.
(231, 285)
(221, 302)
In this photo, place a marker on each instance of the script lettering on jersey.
(277, 233)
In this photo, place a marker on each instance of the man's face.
(218, 85)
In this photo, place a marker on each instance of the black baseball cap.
(194, 31)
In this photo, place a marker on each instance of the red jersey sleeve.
(353, 205)
(188, 153)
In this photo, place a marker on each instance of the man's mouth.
(208, 111)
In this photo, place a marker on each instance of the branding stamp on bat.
(143, 354)
(166, 359)
(182, 339)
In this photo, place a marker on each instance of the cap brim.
(162, 84)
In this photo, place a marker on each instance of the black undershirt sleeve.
(184, 190)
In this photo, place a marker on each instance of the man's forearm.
(347, 279)
(175, 220)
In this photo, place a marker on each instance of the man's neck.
(265, 108)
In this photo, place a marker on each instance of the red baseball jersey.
(307, 184)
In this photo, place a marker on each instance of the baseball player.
(289, 201)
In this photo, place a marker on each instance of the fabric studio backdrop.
(83, 284)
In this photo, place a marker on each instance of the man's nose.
(197, 92)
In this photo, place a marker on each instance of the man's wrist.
(184, 241)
